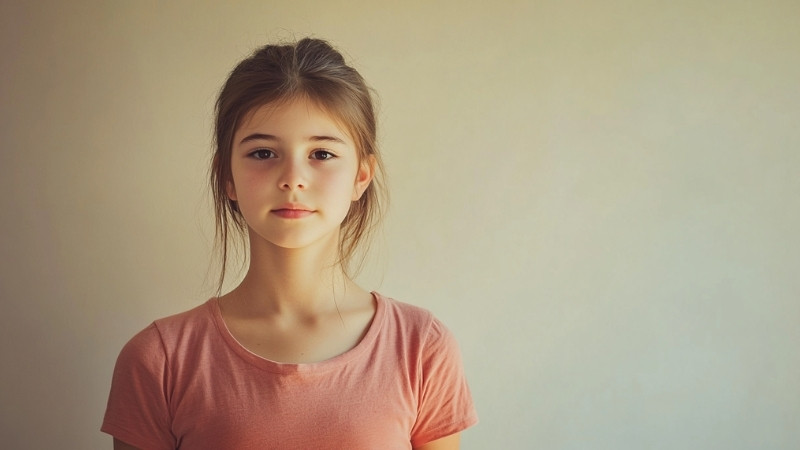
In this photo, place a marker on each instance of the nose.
(292, 176)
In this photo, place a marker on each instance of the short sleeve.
(445, 402)
(137, 411)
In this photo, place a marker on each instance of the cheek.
(249, 188)
(337, 188)
(337, 180)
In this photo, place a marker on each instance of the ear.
(366, 171)
(230, 189)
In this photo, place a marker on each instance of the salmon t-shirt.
(184, 382)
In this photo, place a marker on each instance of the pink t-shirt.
(185, 382)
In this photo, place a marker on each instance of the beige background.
(599, 198)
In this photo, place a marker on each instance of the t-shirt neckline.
(287, 368)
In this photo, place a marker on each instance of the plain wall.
(599, 198)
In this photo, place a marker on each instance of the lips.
(292, 211)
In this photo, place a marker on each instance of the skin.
(295, 304)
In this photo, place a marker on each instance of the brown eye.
(322, 155)
(262, 153)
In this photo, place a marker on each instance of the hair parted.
(313, 69)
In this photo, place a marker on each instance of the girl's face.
(295, 173)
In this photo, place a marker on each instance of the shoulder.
(145, 377)
(185, 327)
(418, 325)
(405, 312)
(155, 341)
(405, 317)
(198, 315)
(441, 394)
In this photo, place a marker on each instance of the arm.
(446, 443)
(119, 445)
(445, 404)
(137, 415)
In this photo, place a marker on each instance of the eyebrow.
(269, 137)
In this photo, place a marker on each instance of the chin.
(298, 241)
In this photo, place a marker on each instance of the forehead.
(296, 117)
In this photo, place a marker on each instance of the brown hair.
(313, 69)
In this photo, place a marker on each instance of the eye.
(322, 155)
(262, 153)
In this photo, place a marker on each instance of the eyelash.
(264, 153)
(260, 154)
(328, 154)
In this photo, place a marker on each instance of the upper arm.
(119, 445)
(445, 405)
(446, 443)
(137, 411)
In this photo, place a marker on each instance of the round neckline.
(287, 368)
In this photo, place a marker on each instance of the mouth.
(292, 211)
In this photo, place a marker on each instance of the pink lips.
(292, 211)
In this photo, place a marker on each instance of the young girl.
(297, 356)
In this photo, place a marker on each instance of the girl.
(297, 356)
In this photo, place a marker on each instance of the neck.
(305, 281)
